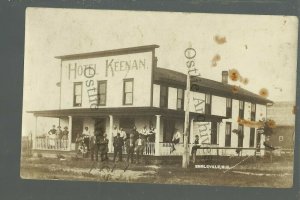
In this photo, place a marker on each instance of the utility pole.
(186, 134)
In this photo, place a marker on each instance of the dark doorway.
(168, 130)
(77, 128)
(214, 133)
(127, 124)
(100, 125)
(240, 135)
(258, 132)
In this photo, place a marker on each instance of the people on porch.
(145, 131)
(65, 135)
(151, 135)
(175, 140)
(52, 137)
(118, 144)
(122, 133)
(139, 147)
(59, 143)
(115, 131)
(135, 133)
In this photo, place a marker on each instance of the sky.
(261, 48)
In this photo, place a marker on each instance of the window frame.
(208, 103)
(228, 135)
(182, 99)
(98, 92)
(252, 136)
(280, 138)
(241, 110)
(253, 107)
(166, 97)
(228, 109)
(125, 93)
(241, 136)
(74, 94)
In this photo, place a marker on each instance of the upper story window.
(241, 110)
(253, 110)
(102, 88)
(228, 107)
(163, 96)
(77, 97)
(180, 99)
(128, 91)
(208, 104)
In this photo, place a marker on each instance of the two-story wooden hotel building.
(126, 88)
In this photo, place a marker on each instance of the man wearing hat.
(139, 146)
(118, 144)
(94, 146)
(130, 146)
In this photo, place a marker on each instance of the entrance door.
(100, 125)
(168, 130)
(77, 128)
(127, 124)
(258, 136)
(214, 133)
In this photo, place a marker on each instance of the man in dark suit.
(130, 146)
(139, 147)
(103, 147)
(94, 146)
(118, 144)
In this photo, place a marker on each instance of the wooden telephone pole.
(186, 134)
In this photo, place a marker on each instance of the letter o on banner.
(90, 75)
(190, 53)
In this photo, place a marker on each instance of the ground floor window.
(228, 134)
(214, 133)
(241, 136)
(252, 135)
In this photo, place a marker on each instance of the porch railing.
(148, 150)
(47, 143)
(165, 149)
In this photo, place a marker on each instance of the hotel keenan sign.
(112, 66)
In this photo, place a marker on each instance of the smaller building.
(284, 133)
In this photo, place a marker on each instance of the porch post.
(110, 133)
(157, 134)
(70, 133)
(34, 134)
(192, 131)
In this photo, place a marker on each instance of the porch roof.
(100, 112)
(127, 111)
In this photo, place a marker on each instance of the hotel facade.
(126, 88)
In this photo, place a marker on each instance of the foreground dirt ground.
(262, 173)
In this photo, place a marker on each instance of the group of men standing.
(133, 141)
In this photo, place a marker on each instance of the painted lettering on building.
(86, 70)
(112, 66)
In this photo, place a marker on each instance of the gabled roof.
(207, 86)
(113, 52)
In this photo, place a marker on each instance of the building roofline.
(112, 52)
(209, 86)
